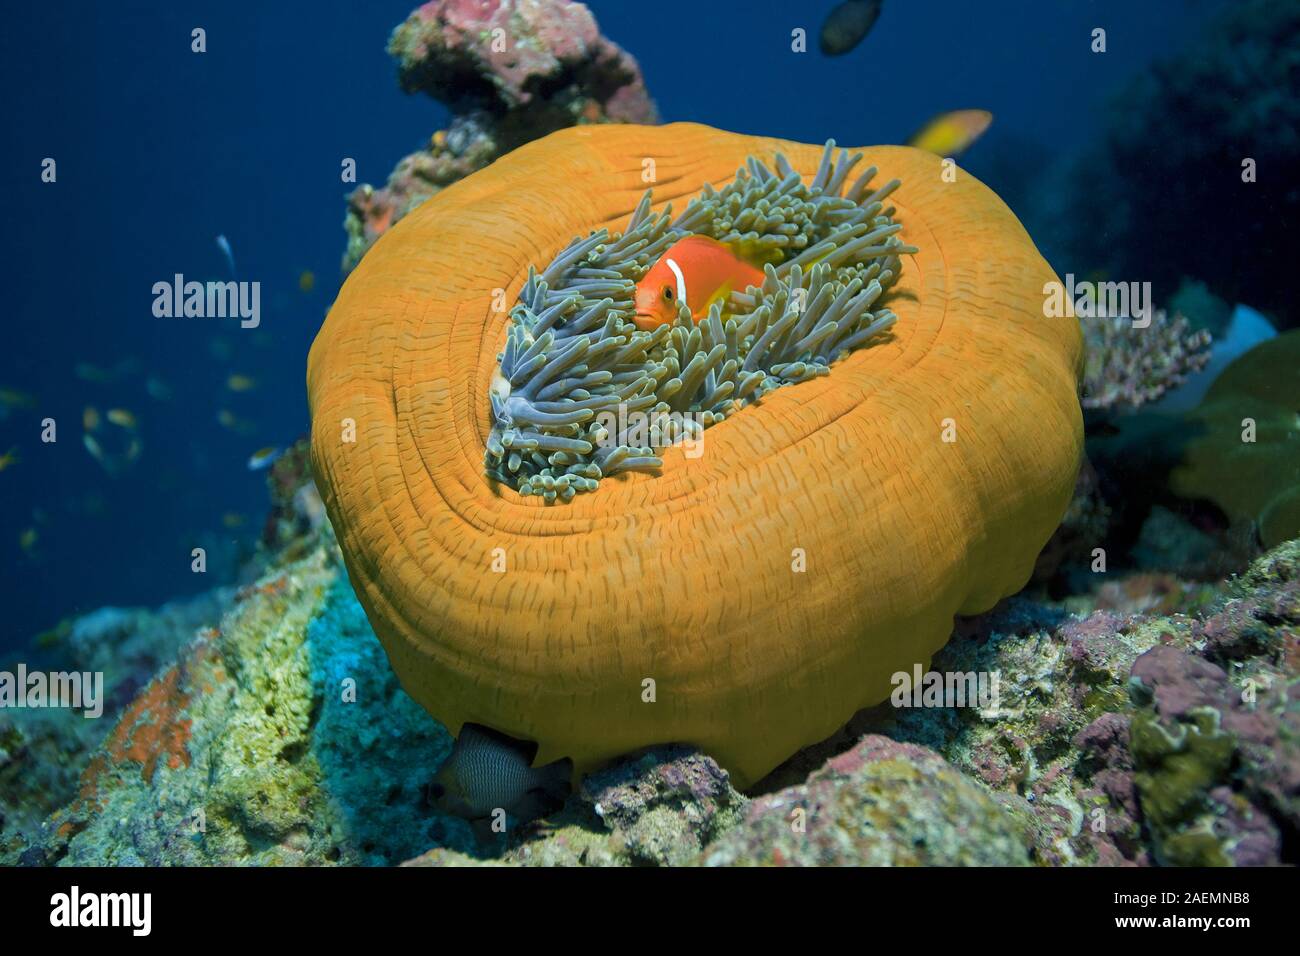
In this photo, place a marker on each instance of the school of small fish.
(112, 436)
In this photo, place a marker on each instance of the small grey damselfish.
(488, 771)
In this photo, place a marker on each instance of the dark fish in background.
(488, 771)
(847, 24)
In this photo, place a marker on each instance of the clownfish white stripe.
(681, 279)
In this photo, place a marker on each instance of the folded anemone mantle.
(546, 621)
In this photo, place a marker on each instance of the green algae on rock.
(43, 751)
(659, 808)
(1119, 770)
(880, 804)
(280, 737)
(576, 369)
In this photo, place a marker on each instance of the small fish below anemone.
(488, 772)
(12, 398)
(264, 457)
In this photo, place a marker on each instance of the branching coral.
(572, 352)
(1127, 367)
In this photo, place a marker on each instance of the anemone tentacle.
(573, 354)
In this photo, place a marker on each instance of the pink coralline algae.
(1216, 768)
(1128, 367)
(511, 71)
(880, 803)
(503, 53)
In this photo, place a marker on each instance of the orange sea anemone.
(746, 601)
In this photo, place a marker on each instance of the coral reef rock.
(279, 736)
(264, 726)
(510, 71)
(1138, 739)
(880, 804)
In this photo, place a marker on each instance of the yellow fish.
(12, 398)
(951, 134)
(240, 383)
(27, 540)
(121, 417)
(9, 458)
(90, 418)
(306, 281)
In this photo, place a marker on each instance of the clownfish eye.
(668, 293)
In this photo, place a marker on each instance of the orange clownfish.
(696, 270)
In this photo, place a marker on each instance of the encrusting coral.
(582, 393)
(746, 601)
